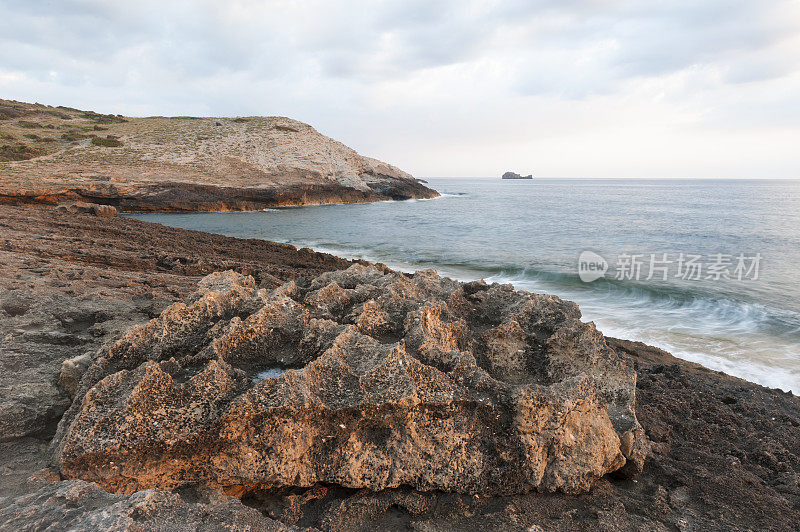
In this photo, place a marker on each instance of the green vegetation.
(73, 136)
(7, 112)
(18, 153)
(106, 143)
(58, 114)
(240, 120)
(286, 129)
(103, 119)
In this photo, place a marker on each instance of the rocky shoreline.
(190, 197)
(722, 453)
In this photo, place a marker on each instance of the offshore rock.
(514, 175)
(361, 378)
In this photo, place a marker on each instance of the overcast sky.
(562, 88)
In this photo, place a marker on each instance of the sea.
(707, 269)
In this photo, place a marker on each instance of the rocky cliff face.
(52, 154)
(361, 378)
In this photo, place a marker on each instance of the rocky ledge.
(362, 378)
(51, 155)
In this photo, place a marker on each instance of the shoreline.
(180, 197)
(83, 279)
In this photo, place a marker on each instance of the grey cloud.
(369, 42)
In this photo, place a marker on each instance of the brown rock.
(72, 370)
(82, 207)
(360, 378)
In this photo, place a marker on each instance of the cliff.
(54, 154)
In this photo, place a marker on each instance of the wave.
(415, 200)
(747, 339)
(721, 312)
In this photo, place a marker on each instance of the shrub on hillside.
(29, 125)
(6, 112)
(18, 153)
(103, 119)
(73, 136)
(106, 143)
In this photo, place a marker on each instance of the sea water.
(705, 269)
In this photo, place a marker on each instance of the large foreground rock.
(391, 380)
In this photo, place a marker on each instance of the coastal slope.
(54, 154)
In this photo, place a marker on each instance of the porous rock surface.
(390, 380)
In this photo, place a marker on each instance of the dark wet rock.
(393, 380)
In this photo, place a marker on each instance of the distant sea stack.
(514, 175)
(52, 155)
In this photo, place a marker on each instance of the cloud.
(403, 79)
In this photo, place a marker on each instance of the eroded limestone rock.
(391, 380)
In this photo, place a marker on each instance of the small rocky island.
(514, 175)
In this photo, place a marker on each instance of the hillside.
(52, 154)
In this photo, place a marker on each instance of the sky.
(557, 88)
